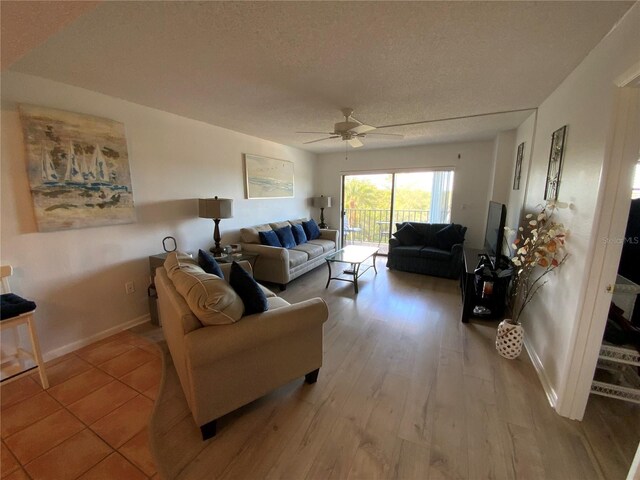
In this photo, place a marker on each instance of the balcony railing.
(371, 227)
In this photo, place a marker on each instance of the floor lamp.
(216, 209)
(322, 202)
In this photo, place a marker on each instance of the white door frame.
(621, 155)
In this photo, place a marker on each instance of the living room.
(78, 277)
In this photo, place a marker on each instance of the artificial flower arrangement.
(537, 251)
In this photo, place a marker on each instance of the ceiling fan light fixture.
(355, 142)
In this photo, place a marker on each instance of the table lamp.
(215, 208)
(322, 202)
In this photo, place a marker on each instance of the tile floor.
(92, 422)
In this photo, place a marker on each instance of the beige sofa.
(281, 265)
(228, 363)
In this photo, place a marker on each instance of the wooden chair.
(17, 311)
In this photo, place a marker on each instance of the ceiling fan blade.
(326, 133)
(355, 143)
(321, 139)
(362, 129)
(397, 135)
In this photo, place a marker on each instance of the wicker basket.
(509, 339)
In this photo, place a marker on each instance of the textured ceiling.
(25, 25)
(270, 69)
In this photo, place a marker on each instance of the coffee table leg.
(329, 279)
(355, 277)
(375, 255)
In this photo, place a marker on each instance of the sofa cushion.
(251, 234)
(448, 237)
(408, 235)
(407, 251)
(327, 245)
(208, 263)
(296, 258)
(310, 249)
(277, 225)
(311, 229)
(298, 221)
(286, 237)
(254, 299)
(269, 238)
(277, 302)
(176, 260)
(435, 253)
(209, 297)
(298, 233)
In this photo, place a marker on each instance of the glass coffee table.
(357, 256)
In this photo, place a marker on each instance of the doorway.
(621, 161)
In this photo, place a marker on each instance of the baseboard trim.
(71, 347)
(552, 396)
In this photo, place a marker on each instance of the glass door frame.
(392, 202)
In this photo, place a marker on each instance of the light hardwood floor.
(405, 391)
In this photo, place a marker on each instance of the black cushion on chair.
(11, 305)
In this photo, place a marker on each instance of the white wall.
(516, 198)
(77, 277)
(472, 177)
(584, 102)
(502, 175)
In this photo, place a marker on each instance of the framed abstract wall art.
(78, 169)
(518, 171)
(554, 171)
(268, 177)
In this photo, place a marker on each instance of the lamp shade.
(322, 202)
(215, 207)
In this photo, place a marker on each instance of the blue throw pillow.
(286, 237)
(254, 299)
(408, 235)
(208, 263)
(269, 238)
(298, 233)
(448, 237)
(311, 229)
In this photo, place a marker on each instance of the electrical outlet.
(130, 287)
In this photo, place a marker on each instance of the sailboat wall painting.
(78, 169)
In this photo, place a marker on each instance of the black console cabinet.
(471, 297)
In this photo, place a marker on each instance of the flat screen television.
(494, 234)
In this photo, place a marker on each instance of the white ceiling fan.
(351, 130)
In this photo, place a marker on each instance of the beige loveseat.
(281, 265)
(225, 360)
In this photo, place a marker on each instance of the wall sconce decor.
(518, 171)
(554, 171)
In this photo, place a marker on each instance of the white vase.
(509, 339)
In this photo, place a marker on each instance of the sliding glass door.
(366, 207)
(374, 203)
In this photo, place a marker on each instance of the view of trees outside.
(367, 201)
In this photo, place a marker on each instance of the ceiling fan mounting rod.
(347, 111)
